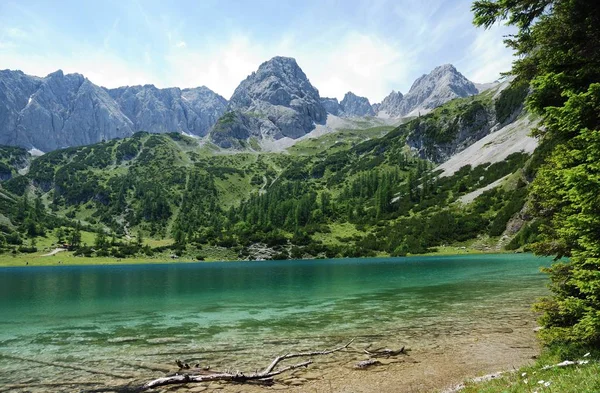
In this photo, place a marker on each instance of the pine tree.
(558, 43)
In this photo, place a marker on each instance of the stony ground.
(450, 358)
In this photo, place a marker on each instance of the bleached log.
(237, 377)
(265, 375)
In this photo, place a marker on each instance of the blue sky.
(368, 47)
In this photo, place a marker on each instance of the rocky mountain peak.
(332, 106)
(280, 99)
(63, 110)
(439, 86)
(356, 106)
(56, 74)
(392, 104)
(442, 84)
(278, 81)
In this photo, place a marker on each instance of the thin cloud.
(370, 48)
(487, 57)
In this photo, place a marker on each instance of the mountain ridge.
(275, 101)
(62, 110)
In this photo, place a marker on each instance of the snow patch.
(190, 135)
(34, 151)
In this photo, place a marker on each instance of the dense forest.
(558, 43)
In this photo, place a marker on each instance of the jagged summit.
(278, 81)
(429, 91)
(275, 101)
(351, 106)
(356, 106)
(392, 104)
(62, 110)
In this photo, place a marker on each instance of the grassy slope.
(337, 141)
(583, 378)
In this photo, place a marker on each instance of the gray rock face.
(472, 123)
(392, 104)
(16, 88)
(332, 106)
(190, 111)
(429, 91)
(355, 106)
(68, 110)
(280, 98)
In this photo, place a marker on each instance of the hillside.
(347, 193)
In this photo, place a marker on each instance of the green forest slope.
(344, 194)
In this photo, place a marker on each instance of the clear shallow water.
(114, 318)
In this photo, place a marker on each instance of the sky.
(369, 47)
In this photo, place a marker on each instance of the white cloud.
(220, 67)
(361, 63)
(487, 56)
(181, 44)
(102, 68)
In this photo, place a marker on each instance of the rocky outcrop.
(332, 106)
(429, 91)
(234, 129)
(351, 106)
(439, 138)
(189, 111)
(392, 104)
(356, 106)
(276, 101)
(68, 110)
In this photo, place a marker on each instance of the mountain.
(383, 189)
(274, 102)
(332, 106)
(189, 111)
(57, 111)
(68, 110)
(429, 91)
(351, 106)
(391, 105)
(355, 106)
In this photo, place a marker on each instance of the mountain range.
(276, 101)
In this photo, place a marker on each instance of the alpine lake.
(79, 328)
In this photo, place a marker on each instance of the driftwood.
(367, 363)
(380, 352)
(202, 375)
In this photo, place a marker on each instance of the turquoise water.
(116, 317)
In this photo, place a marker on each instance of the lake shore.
(451, 357)
(460, 317)
(68, 259)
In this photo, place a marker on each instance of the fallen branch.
(266, 375)
(367, 363)
(237, 377)
(303, 354)
(385, 352)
